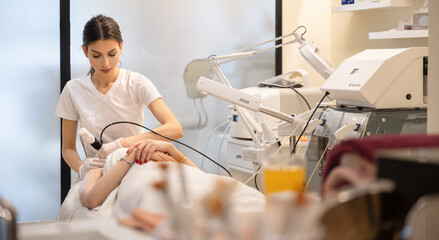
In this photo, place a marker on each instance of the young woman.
(155, 188)
(109, 94)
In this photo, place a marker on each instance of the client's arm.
(142, 219)
(96, 187)
(151, 151)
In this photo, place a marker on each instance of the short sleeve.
(144, 90)
(66, 108)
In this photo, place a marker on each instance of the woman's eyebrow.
(101, 53)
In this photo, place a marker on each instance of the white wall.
(341, 35)
(315, 15)
(350, 30)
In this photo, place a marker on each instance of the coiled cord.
(173, 140)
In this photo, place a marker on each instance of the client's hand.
(147, 147)
(90, 163)
(143, 220)
(108, 148)
(162, 157)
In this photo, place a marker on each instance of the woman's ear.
(84, 48)
(120, 46)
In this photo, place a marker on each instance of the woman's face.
(104, 56)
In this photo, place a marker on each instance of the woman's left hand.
(147, 147)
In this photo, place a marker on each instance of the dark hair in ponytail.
(100, 27)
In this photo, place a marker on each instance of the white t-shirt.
(125, 101)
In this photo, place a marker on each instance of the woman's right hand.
(108, 148)
(90, 163)
(147, 147)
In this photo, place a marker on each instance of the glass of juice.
(283, 172)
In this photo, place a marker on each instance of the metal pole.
(64, 27)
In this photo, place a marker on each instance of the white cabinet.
(383, 4)
(372, 4)
(399, 34)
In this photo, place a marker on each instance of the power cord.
(173, 140)
(290, 86)
(307, 123)
(307, 103)
(256, 177)
(221, 145)
(208, 140)
(295, 145)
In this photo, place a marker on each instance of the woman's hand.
(108, 148)
(162, 157)
(132, 156)
(147, 147)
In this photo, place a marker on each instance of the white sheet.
(135, 191)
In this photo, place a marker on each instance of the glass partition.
(162, 37)
(29, 90)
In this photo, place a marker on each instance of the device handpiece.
(86, 135)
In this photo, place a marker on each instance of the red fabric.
(366, 147)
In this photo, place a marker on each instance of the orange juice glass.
(283, 178)
(282, 172)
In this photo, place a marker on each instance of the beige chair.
(8, 221)
(354, 213)
(423, 218)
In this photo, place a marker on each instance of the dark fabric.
(367, 147)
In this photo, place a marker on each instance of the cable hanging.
(173, 140)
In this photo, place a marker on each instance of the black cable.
(309, 119)
(301, 134)
(256, 176)
(269, 85)
(309, 107)
(280, 85)
(102, 132)
(297, 85)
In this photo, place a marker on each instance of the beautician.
(109, 94)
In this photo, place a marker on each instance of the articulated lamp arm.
(308, 50)
(239, 98)
(243, 101)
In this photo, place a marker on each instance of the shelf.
(399, 34)
(373, 4)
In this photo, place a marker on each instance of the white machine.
(279, 99)
(380, 79)
(377, 91)
(246, 149)
(269, 108)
